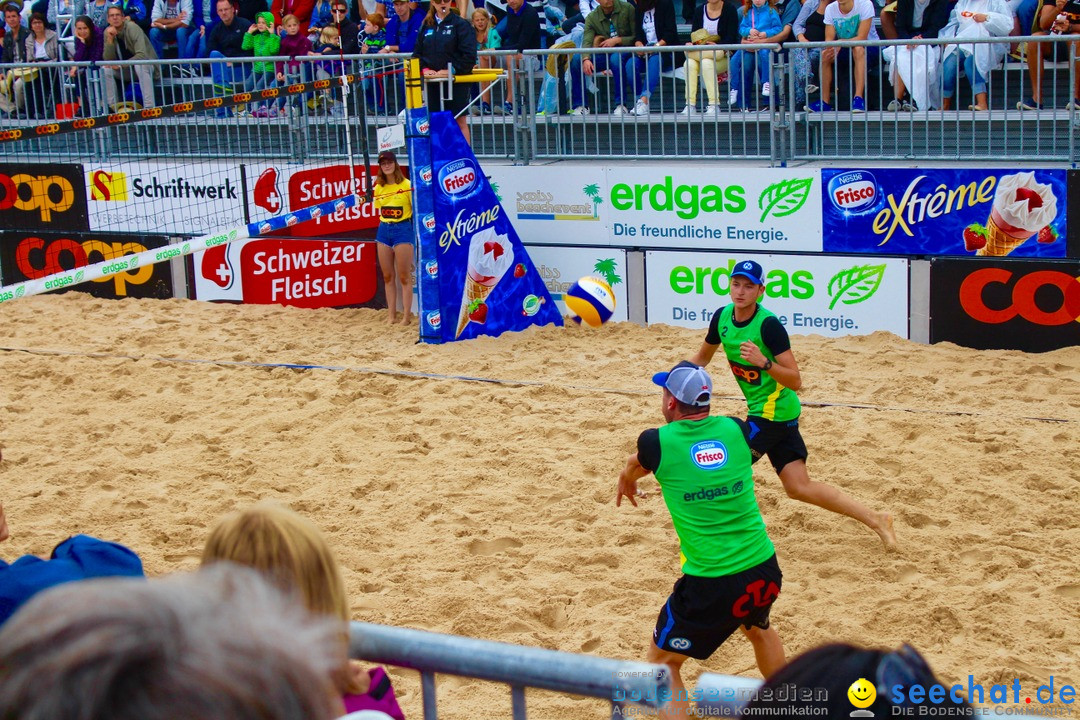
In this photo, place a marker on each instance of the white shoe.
(766, 89)
(733, 97)
(688, 111)
(401, 116)
(582, 110)
(712, 110)
(641, 108)
(620, 110)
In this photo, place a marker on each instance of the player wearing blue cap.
(758, 350)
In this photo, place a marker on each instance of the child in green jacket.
(264, 40)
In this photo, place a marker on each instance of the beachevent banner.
(561, 267)
(664, 206)
(811, 294)
(283, 271)
(1005, 304)
(475, 277)
(931, 211)
(281, 187)
(31, 256)
(177, 198)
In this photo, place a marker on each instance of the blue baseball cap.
(688, 383)
(750, 270)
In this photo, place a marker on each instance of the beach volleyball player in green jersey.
(730, 574)
(759, 352)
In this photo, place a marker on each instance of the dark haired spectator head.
(220, 643)
(226, 10)
(835, 668)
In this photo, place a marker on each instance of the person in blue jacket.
(77, 558)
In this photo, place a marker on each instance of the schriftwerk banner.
(476, 277)
(127, 263)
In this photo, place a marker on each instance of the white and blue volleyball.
(590, 301)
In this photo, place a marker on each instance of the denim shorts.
(394, 234)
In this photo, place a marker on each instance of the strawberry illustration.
(1034, 200)
(478, 311)
(519, 270)
(1048, 235)
(974, 237)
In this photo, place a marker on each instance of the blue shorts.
(394, 234)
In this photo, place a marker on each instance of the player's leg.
(403, 262)
(799, 486)
(768, 649)
(386, 265)
(679, 706)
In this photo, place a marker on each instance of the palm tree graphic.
(593, 191)
(495, 189)
(606, 268)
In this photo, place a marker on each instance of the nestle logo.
(853, 191)
(709, 455)
(458, 178)
(426, 174)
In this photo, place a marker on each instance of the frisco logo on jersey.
(709, 454)
(856, 191)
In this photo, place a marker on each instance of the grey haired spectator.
(124, 40)
(220, 643)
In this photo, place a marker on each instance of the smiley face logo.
(862, 693)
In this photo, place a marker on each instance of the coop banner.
(974, 212)
(658, 206)
(277, 188)
(561, 267)
(46, 197)
(301, 273)
(487, 284)
(31, 256)
(811, 294)
(181, 198)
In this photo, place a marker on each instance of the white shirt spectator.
(847, 25)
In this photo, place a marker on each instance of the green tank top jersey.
(764, 396)
(708, 486)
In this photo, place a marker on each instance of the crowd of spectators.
(624, 40)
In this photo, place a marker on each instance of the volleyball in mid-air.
(590, 300)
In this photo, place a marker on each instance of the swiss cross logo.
(267, 195)
(216, 267)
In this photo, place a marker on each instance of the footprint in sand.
(491, 547)
(1069, 591)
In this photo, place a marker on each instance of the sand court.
(486, 508)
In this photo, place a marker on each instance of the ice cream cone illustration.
(1022, 207)
(490, 256)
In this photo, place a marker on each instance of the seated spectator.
(914, 68)
(98, 11)
(78, 558)
(62, 11)
(293, 43)
(577, 16)
(321, 16)
(487, 38)
(300, 9)
(610, 25)
(760, 23)
(847, 20)
(227, 41)
(263, 40)
(134, 9)
(1060, 18)
(293, 553)
(124, 40)
(350, 32)
(203, 19)
(41, 47)
(974, 19)
(809, 27)
(522, 33)
(88, 48)
(220, 643)
(835, 668)
(13, 81)
(715, 22)
(557, 67)
(655, 27)
(325, 46)
(170, 21)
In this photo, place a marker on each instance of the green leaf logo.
(232, 235)
(20, 291)
(784, 198)
(186, 248)
(855, 284)
(79, 276)
(133, 262)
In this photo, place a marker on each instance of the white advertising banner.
(560, 267)
(656, 206)
(192, 198)
(831, 296)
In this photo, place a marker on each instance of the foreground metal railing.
(551, 108)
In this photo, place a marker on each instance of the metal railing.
(581, 115)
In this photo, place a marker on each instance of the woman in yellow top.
(395, 239)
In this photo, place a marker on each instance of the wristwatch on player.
(767, 365)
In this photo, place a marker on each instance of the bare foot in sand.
(3, 525)
(885, 530)
(391, 319)
(406, 320)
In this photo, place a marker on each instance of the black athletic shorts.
(702, 612)
(781, 441)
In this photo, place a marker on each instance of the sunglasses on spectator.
(339, 10)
